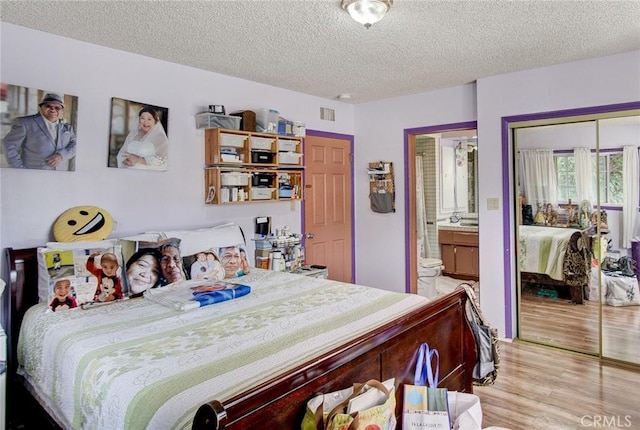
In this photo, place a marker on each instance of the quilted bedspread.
(137, 364)
(543, 249)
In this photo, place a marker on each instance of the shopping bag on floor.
(465, 411)
(425, 405)
(369, 405)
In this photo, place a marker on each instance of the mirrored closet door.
(577, 194)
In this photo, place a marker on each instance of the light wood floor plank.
(540, 387)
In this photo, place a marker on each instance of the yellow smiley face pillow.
(83, 223)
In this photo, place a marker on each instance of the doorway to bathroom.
(441, 193)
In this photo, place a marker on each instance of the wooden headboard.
(21, 267)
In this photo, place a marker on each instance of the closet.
(595, 159)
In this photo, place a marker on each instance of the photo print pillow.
(214, 242)
(152, 264)
(73, 275)
(204, 265)
(234, 260)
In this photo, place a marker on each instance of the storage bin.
(263, 179)
(261, 193)
(267, 120)
(287, 145)
(262, 157)
(234, 178)
(285, 193)
(264, 143)
(211, 120)
(289, 158)
(232, 140)
(227, 157)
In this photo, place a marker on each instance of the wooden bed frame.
(576, 269)
(389, 351)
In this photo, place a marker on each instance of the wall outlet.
(493, 204)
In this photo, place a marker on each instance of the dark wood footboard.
(387, 352)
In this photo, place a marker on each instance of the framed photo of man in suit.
(38, 128)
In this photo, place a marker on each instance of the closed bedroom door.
(328, 207)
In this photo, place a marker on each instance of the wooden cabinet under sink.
(459, 253)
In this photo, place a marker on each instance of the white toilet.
(428, 272)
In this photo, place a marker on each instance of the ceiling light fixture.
(367, 12)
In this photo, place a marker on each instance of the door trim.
(411, 270)
(350, 138)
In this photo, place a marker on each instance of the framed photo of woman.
(38, 128)
(138, 136)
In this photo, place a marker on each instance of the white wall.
(138, 200)
(380, 238)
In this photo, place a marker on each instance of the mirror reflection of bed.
(562, 303)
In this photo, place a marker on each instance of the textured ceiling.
(313, 46)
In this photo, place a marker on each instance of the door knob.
(310, 235)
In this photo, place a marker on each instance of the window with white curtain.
(610, 172)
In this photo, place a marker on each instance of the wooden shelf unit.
(244, 166)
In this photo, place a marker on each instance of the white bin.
(428, 272)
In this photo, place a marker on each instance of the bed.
(72, 370)
(555, 256)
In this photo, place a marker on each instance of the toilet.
(428, 272)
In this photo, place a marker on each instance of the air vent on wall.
(327, 114)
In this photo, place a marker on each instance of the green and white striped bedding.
(136, 364)
(543, 249)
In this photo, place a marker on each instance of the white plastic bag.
(464, 410)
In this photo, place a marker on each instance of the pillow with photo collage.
(74, 274)
(152, 264)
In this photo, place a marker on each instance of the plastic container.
(234, 178)
(263, 179)
(264, 143)
(287, 145)
(211, 120)
(289, 158)
(261, 193)
(267, 120)
(285, 127)
(262, 157)
(232, 140)
(299, 129)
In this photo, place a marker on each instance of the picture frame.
(138, 135)
(38, 128)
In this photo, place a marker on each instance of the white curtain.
(630, 190)
(421, 211)
(584, 175)
(538, 180)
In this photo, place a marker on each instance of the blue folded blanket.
(227, 293)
